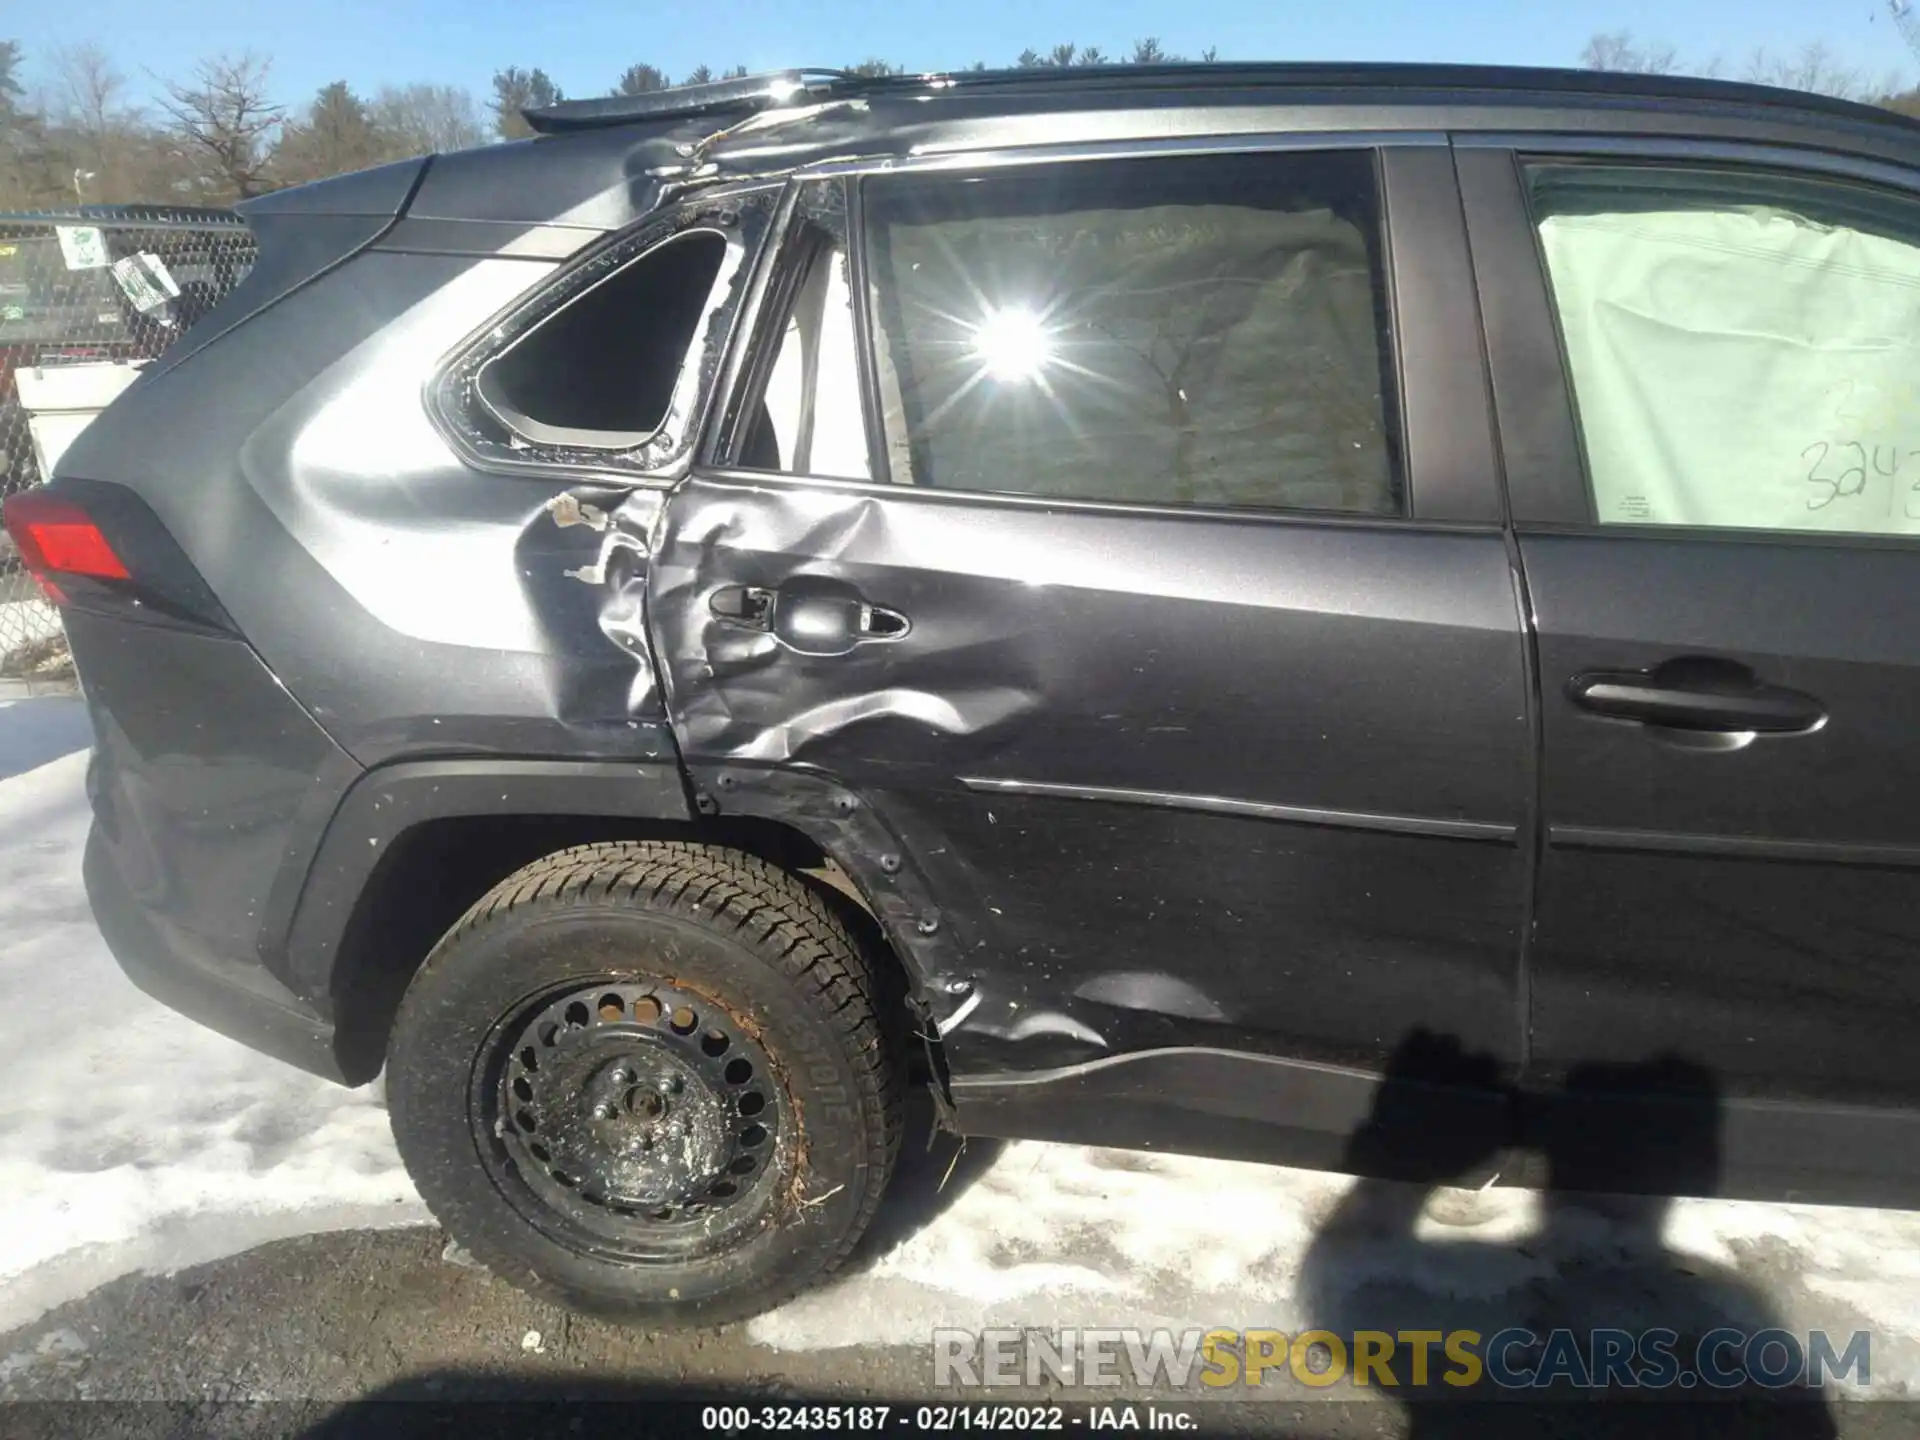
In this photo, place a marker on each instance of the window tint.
(1205, 331)
(601, 372)
(1744, 347)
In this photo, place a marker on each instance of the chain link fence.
(87, 297)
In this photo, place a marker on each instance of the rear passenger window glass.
(1182, 330)
(608, 361)
(803, 413)
(601, 371)
(1744, 346)
(813, 392)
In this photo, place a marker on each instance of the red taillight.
(56, 538)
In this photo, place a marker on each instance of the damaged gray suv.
(1345, 616)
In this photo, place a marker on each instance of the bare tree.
(89, 91)
(699, 75)
(1814, 67)
(1149, 52)
(875, 69)
(106, 141)
(223, 115)
(1619, 52)
(426, 120)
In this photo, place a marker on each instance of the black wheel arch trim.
(386, 802)
(882, 867)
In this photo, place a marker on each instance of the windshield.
(43, 302)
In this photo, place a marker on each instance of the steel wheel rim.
(631, 1119)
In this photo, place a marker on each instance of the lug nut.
(622, 1077)
(668, 1084)
(603, 1111)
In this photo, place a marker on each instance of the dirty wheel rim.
(631, 1119)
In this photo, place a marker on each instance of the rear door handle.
(810, 615)
(1652, 699)
(745, 607)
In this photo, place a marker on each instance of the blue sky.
(585, 43)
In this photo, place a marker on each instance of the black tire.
(751, 959)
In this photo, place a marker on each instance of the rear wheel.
(648, 1080)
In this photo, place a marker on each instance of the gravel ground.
(285, 1339)
(331, 1318)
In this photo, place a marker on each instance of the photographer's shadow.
(1594, 1259)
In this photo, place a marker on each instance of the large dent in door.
(864, 753)
(743, 695)
(838, 747)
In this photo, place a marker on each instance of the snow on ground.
(132, 1139)
(37, 730)
(129, 1137)
(1061, 1235)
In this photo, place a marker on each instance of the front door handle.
(1698, 695)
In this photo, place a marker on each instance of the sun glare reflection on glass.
(1012, 345)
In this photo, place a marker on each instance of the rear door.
(1117, 541)
(1722, 554)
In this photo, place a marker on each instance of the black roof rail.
(785, 87)
(747, 93)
